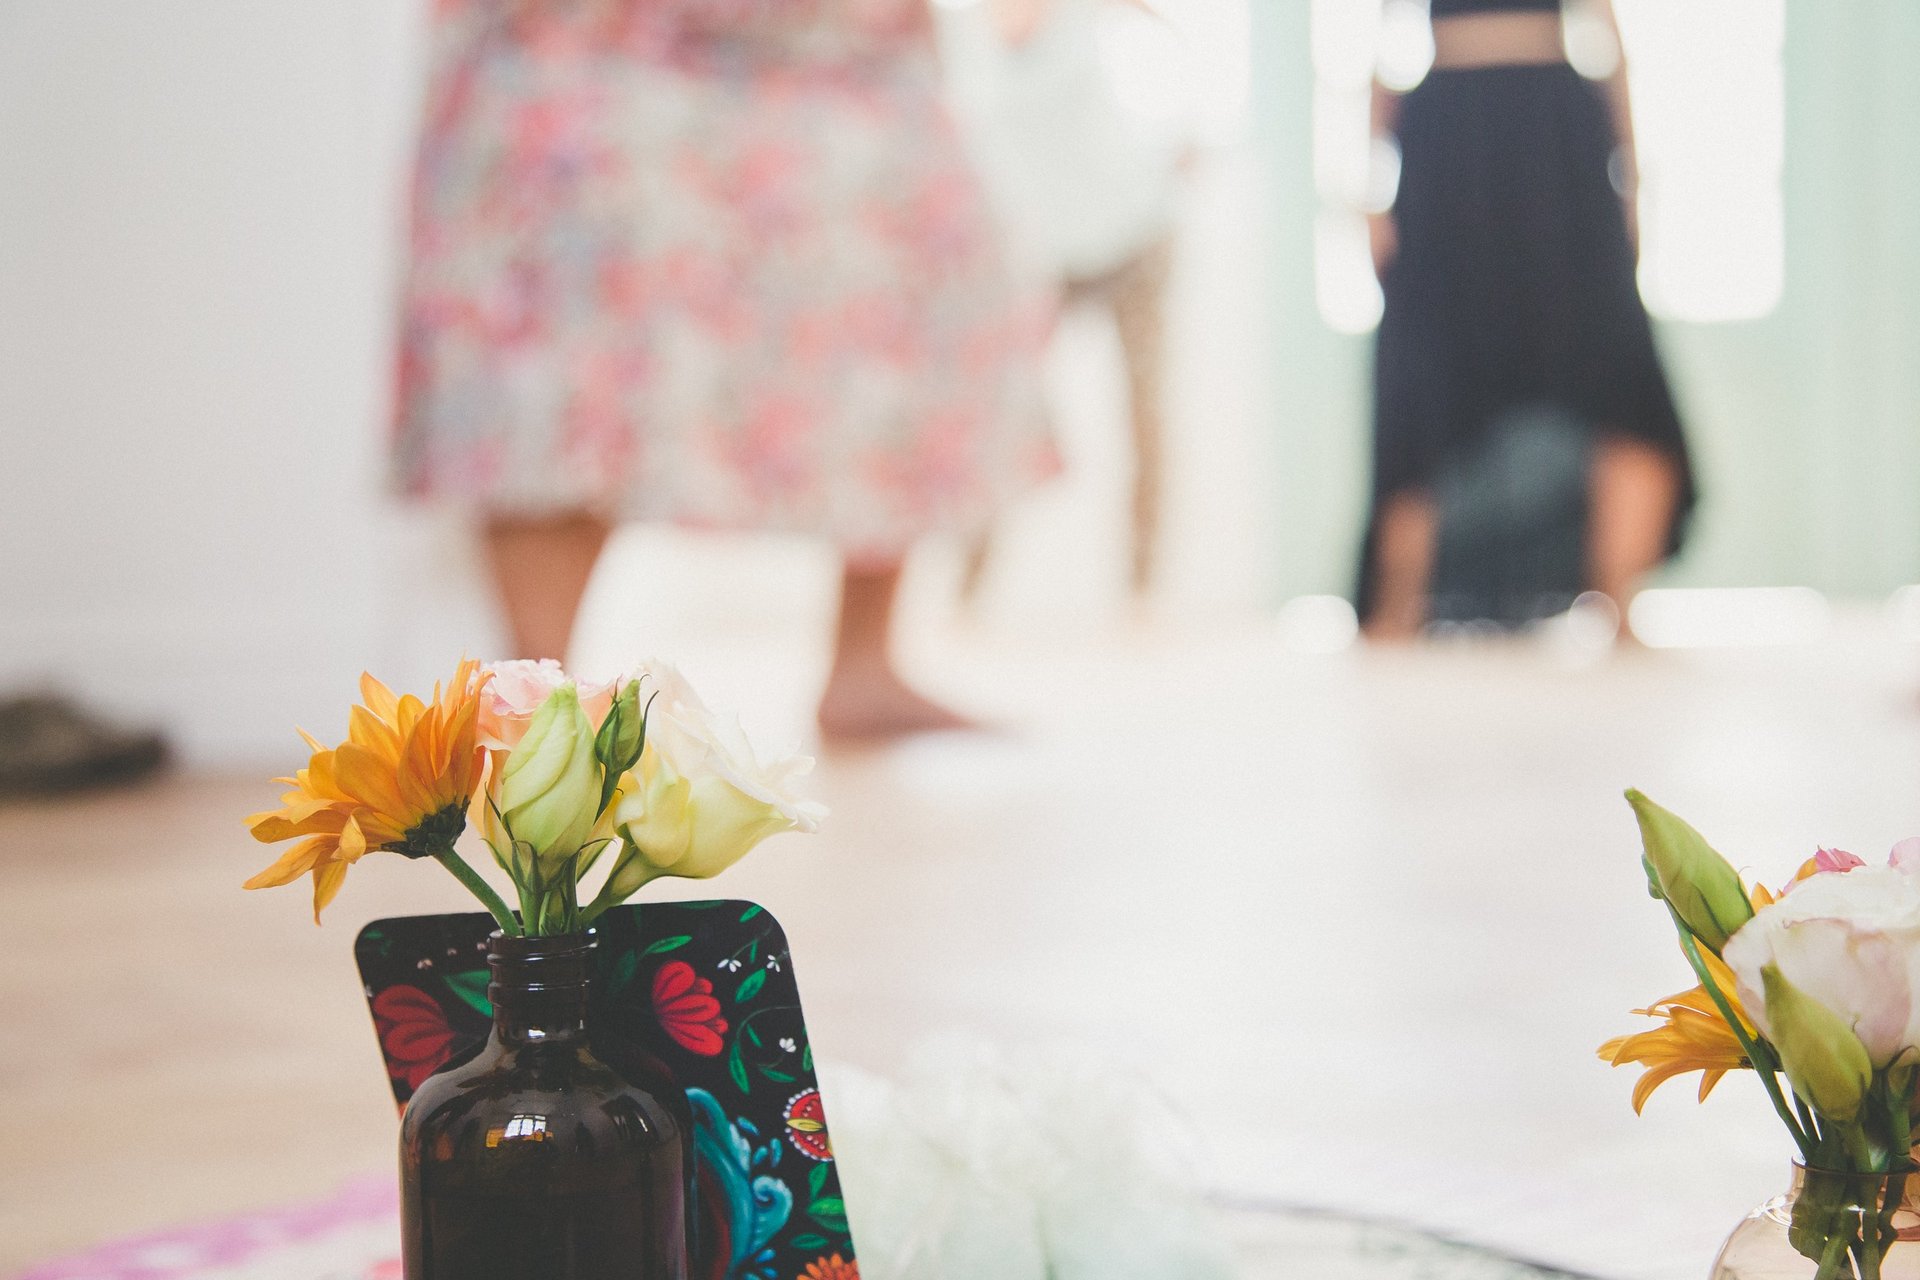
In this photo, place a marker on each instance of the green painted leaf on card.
(830, 1212)
(750, 986)
(817, 1180)
(661, 946)
(809, 1242)
(750, 913)
(471, 987)
(778, 1077)
(738, 1069)
(623, 973)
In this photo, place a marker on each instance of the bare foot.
(875, 703)
(1390, 626)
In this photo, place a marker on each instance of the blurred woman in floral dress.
(714, 262)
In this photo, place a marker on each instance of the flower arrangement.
(557, 776)
(1819, 984)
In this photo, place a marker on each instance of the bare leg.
(1634, 487)
(865, 697)
(541, 567)
(1403, 565)
(1138, 299)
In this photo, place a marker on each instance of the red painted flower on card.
(807, 1126)
(687, 1009)
(414, 1033)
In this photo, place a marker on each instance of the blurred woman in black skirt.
(1508, 268)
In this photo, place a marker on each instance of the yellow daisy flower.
(401, 782)
(1693, 1037)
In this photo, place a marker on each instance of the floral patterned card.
(701, 993)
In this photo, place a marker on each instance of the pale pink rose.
(1837, 860)
(519, 687)
(1850, 941)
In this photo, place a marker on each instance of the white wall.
(199, 208)
(194, 213)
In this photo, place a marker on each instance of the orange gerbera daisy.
(1694, 1037)
(401, 782)
(833, 1268)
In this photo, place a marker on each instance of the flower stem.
(1757, 1054)
(480, 889)
(595, 909)
(1832, 1256)
(607, 898)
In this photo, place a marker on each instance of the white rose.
(700, 800)
(1849, 939)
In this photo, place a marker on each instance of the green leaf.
(830, 1212)
(817, 1180)
(660, 946)
(752, 1035)
(778, 1077)
(806, 1058)
(623, 973)
(588, 855)
(750, 913)
(471, 987)
(809, 1242)
(738, 1069)
(750, 986)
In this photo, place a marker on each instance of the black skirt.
(1513, 286)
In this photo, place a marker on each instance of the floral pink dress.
(719, 262)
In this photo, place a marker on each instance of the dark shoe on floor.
(49, 746)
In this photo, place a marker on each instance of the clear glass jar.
(1829, 1226)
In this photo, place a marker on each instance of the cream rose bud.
(516, 690)
(550, 784)
(652, 816)
(699, 799)
(1850, 940)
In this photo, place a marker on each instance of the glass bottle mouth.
(548, 946)
(529, 968)
(1851, 1191)
(1801, 1170)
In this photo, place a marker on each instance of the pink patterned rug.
(354, 1235)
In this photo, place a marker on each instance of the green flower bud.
(550, 785)
(1824, 1060)
(622, 735)
(1701, 886)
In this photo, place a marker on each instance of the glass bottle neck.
(539, 988)
(1855, 1192)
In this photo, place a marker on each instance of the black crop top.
(1453, 8)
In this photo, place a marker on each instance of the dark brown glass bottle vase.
(535, 1160)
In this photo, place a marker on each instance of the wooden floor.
(1362, 917)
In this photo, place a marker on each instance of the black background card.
(702, 994)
